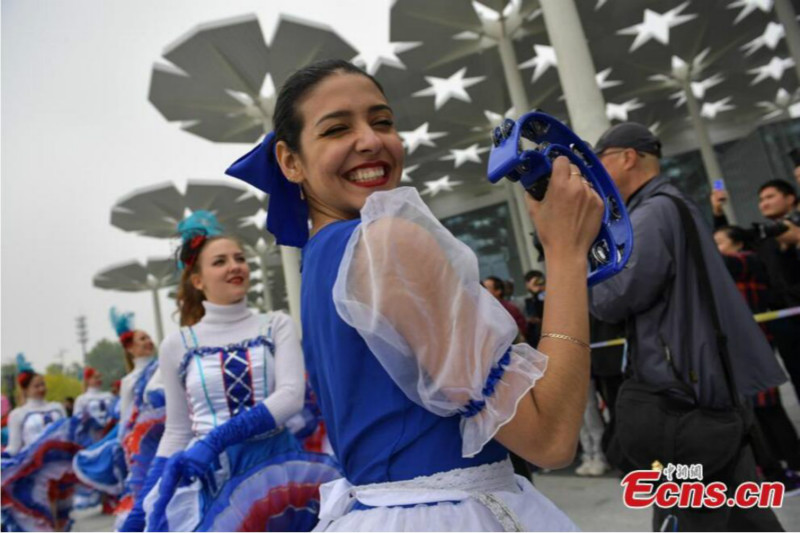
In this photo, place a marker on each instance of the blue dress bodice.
(378, 434)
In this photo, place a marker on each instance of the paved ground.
(595, 504)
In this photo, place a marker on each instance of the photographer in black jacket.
(778, 247)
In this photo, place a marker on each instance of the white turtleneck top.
(126, 388)
(94, 403)
(28, 422)
(224, 365)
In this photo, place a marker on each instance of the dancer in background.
(232, 379)
(422, 390)
(38, 481)
(27, 422)
(93, 407)
(139, 351)
(142, 416)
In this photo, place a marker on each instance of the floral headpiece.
(123, 325)
(25, 371)
(194, 230)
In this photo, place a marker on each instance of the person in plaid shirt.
(775, 438)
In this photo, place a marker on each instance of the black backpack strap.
(706, 292)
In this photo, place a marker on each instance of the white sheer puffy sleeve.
(412, 291)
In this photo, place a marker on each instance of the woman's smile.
(372, 174)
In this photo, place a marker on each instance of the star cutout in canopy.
(443, 89)
(420, 136)
(407, 173)
(442, 184)
(784, 103)
(471, 153)
(620, 111)
(495, 119)
(710, 110)
(372, 58)
(656, 26)
(699, 89)
(772, 35)
(774, 69)
(602, 79)
(484, 42)
(544, 59)
(748, 6)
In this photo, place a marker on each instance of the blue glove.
(135, 520)
(198, 459)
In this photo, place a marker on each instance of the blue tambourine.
(532, 167)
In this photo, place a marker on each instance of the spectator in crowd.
(496, 286)
(775, 438)
(593, 460)
(519, 302)
(69, 405)
(777, 247)
(534, 306)
(607, 368)
(794, 155)
(671, 336)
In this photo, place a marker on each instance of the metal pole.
(265, 292)
(520, 220)
(585, 103)
(788, 18)
(710, 162)
(157, 313)
(290, 259)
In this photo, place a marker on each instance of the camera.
(774, 228)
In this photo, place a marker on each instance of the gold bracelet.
(567, 338)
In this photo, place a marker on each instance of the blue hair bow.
(287, 212)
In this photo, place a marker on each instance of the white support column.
(523, 227)
(266, 295)
(290, 259)
(157, 315)
(788, 18)
(585, 103)
(710, 161)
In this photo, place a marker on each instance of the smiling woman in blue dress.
(421, 388)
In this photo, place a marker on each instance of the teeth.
(366, 174)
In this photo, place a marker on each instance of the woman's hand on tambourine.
(568, 219)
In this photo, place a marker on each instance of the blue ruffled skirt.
(38, 482)
(267, 484)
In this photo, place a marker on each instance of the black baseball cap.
(629, 135)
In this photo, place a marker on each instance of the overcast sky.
(78, 133)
